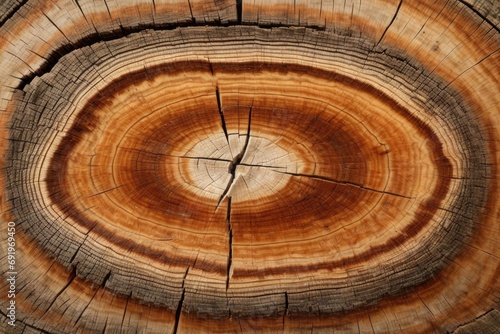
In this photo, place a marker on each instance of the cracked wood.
(250, 166)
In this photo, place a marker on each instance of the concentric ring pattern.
(227, 166)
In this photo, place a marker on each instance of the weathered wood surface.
(251, 166)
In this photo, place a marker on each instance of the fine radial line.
(327, 179)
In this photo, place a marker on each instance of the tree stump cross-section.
(236, 166)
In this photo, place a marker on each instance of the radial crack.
(230, 248)
(105, 326)
(125, 310)
(473, 320)
(55, 25)
(179, 311)
(191, 11)
(228, 186)
(204, 158)
(285, 313)
(81, 10)
(221, 113)
(236, 160)
(90, 301)
(347, 183)
(390, 23)
(181, 302)
(481, 15)
(261, 166)
(72, 276)
(239, 10)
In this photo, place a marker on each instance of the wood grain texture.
(266, 166)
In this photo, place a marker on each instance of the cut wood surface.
(250, 166)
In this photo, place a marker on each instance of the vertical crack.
(230, 247)
(105, 280)
(225, 191)
(125, 310)
(73, 257)
(239, 10)
(72, 276)
(390, 23)
(105, 326)
(285, 313)
(77, 250)
(90, 301)
(81, 10)
(221, 113)
(232, 170)
(191, 11)
(57, 27)
(178, 312)
(237, 159)
(107, 7)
